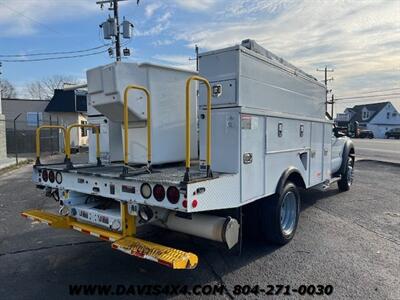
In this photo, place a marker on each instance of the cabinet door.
(316, 155)
(327, 151)
(252, 156)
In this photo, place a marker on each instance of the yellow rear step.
(47, 218)
(173, 258)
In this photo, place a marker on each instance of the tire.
(279, 215)
(346, 180)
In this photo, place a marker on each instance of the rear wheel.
(346, 180)
(279, 215)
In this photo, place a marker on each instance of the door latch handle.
(247, 158)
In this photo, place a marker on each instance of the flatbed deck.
(171, 174)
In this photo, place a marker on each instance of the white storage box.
(106, 85)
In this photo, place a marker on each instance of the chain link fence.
(21, 137)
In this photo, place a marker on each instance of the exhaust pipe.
(220, 229)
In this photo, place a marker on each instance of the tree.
(7, 89)
(44, 88)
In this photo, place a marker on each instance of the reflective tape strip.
(76, 228)
(35, 219)
(103, 237)
(94, 234)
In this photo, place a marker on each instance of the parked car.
(366, 134)
(393, 133)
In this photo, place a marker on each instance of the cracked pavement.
(350, 240)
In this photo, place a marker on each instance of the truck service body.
(250, 127)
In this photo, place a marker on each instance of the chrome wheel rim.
(288, 213)
(350, 172)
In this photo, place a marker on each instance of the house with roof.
(70, 107)
(377, 117)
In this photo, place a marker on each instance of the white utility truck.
(198, 153)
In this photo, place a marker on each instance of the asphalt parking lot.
(348, 240)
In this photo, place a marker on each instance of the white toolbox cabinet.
(256, 78)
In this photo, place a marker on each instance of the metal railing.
(38, 139)
(126, 125)
(68, 142)
(208, 132)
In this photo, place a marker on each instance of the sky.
(360, 40)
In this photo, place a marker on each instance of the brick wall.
(3, 148)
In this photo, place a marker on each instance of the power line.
(29, 18)
(371, 96)
(376, 91)
(55, 53)
(52, 58)
(368, 100)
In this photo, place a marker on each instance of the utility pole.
(196, 50)
(118, 36)
(332, 103)
(326, 70)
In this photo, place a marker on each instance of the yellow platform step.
(173, 258)
(47, 218)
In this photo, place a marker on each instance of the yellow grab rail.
(208, 138)
(68, 142)
(38, 139)
(126, 145)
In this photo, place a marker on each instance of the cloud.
(165, 17)
(360, 39)
(178, 61)
(195, 4)
(19, 18)
(155, 30)
(150, 9)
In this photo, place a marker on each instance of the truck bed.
(167, 174)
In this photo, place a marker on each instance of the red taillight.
(45, 175)
(51, 176)
(173, 194)
(159, 192)
(194, 203)
(184, 203)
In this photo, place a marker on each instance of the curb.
(13, 164)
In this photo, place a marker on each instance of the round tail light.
(52, 177)
(173, 194)
(58, 177)
(45, 175)
(145, 190)
(159, 192)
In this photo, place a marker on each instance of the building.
(70, 107)
(22, 117)
(377, 117)
(30, 113)
(65, 108)
(3, 145)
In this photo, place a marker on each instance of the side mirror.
(338, 133)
